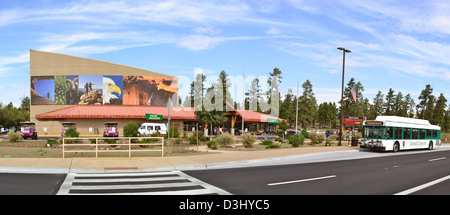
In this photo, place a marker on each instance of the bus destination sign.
(374, 123)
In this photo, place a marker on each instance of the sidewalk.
(221, 158)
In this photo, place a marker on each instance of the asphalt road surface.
(30, 184)
(418, 173)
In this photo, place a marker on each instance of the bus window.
(390, 133)
(407, 133)
(398, 133)
(422, 134)
(434, 133)
(429, 135)
(415, 133)
(375, 132)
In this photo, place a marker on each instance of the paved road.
(30, 184)
(152, 183)
(381, 175)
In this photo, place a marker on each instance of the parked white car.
(150, 128)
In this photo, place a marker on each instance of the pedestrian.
(267, 134)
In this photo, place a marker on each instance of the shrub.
(279, 139)
(317, 138)
(248, 140)
(333, 137)
(111, 141)
(297, 140)
(14, 136)
(130, 130)
(266, 142)
(212, 144)
(50, 142)
(71, 132)
(272, 146)
(224, 139)
(305, 133)
(174, 132)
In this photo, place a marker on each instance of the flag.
(353, 91)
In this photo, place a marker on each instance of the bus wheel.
(430, 146)
(396, 147)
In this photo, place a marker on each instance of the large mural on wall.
(101, 90)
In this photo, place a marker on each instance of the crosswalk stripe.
(154, 183)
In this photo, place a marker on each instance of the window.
(157, 127)
(398, 133)
(150, 128)
(429, 135)
(390, 133)
(422, 134)
(406, 133)
(374, 132)
(435, 133)
(415, 133)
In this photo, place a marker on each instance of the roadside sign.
(150, 116)
(273, 121)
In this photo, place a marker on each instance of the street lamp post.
(342, 91)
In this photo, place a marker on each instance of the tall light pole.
(342, 91)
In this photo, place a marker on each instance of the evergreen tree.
(307, 105)
(424, 99)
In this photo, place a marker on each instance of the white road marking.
(302, 180)
(436, 159)
(423, 186)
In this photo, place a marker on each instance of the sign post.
(169, 107)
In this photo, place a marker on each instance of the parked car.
(28, 129)
(150, 128)
(110, 129)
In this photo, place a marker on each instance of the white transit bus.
(394, 133)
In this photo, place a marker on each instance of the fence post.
(63, 147)
(129, 147)
(162, 147)
(96, 147)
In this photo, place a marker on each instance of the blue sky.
(402, 45)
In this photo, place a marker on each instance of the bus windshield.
(378, 132)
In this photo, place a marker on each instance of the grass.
(38, 149)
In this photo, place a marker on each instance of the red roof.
(136, 112)
(117, 111)
(252, 116)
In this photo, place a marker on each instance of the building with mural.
(89, 92)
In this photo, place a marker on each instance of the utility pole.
(342, 92)
(296, 112)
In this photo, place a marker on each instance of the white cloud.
(273, 31)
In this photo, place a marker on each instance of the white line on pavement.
(436, 159)
(423, 186)
(302, 180)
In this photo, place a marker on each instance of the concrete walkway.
(218, 159)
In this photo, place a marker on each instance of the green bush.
(174, 132)
(50, 142)
(272, 146)
(279, 139)
(332, 137)
(212, 144)
(317, 138)
(297, 140)
(224, 139)
(71, 132)
(266, 142)
(305, 133)
(14, 136)
(248, 140)
(130, 130)
(111, 141)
